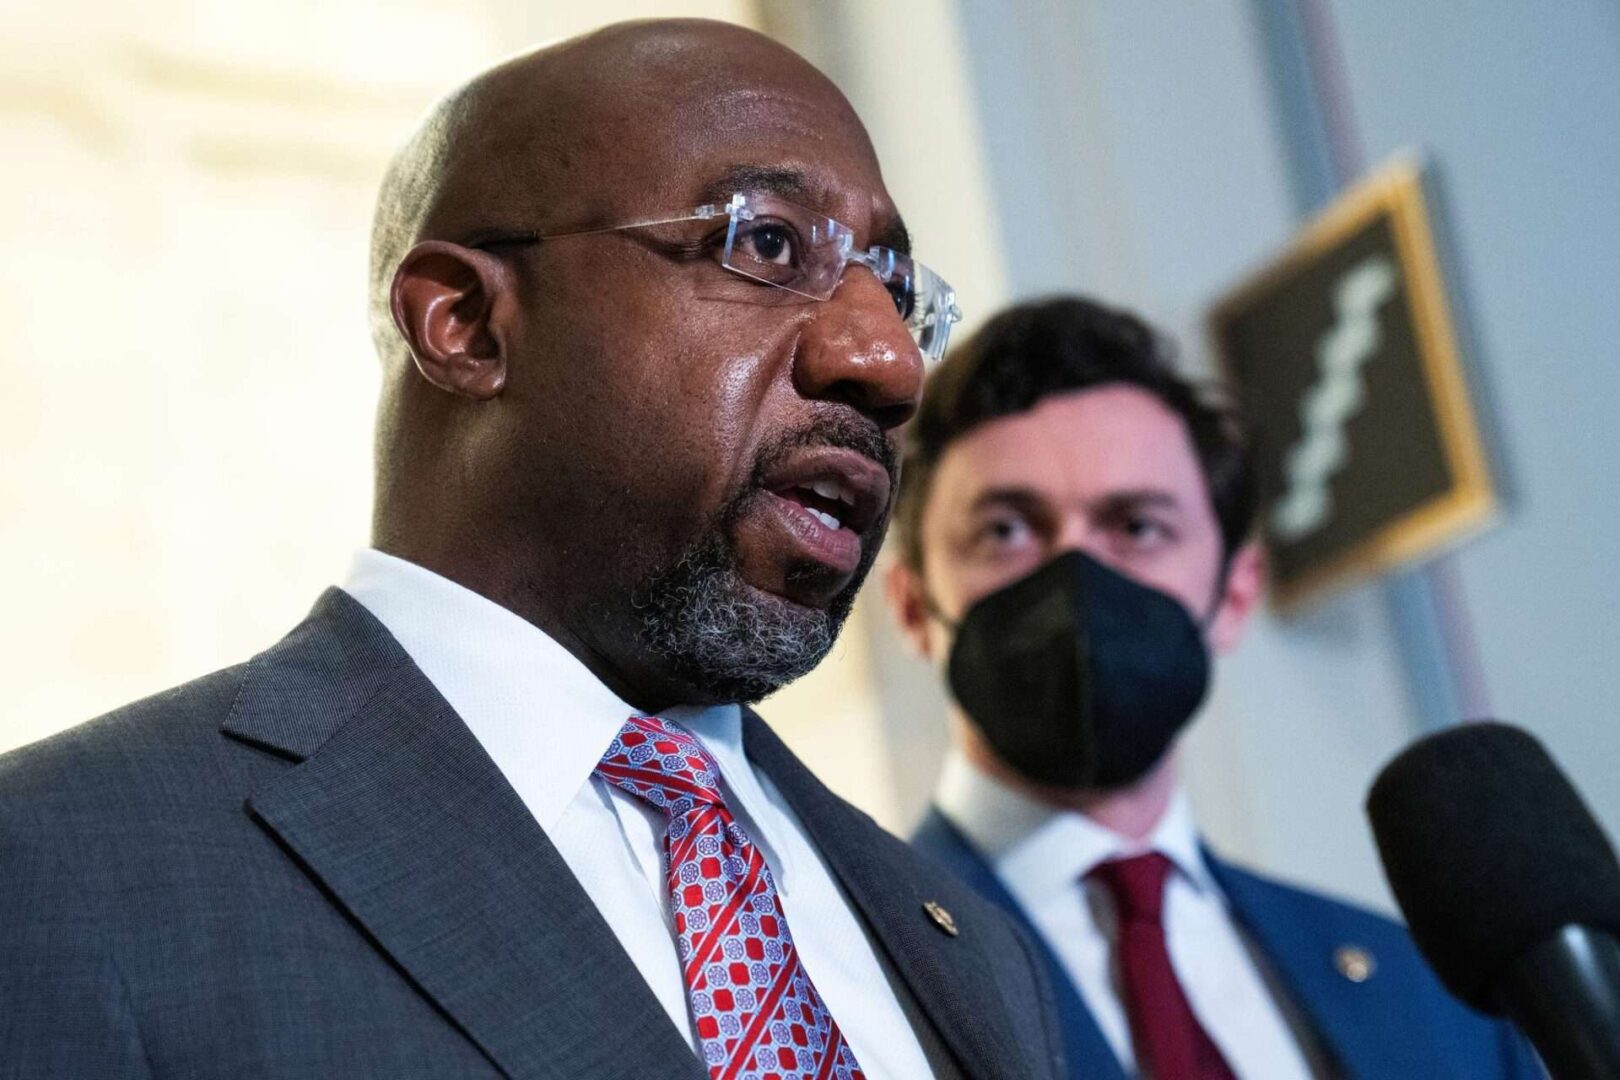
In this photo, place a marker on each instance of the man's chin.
(806, 588)
(728, 639)
(779, 567)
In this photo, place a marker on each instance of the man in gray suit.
(493, 809)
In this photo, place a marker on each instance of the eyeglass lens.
(794, 248)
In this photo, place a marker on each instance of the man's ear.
(903, 589)
(1245, 584)
(449, 303)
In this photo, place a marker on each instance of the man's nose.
(1077, 533)
(856, 350)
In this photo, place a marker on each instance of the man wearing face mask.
(1074, 544)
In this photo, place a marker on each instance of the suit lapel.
(1088, 1052)
(397, 811)
(1350, 1021)
(950, 977)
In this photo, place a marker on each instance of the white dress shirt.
(1042, 855)
(545, 720)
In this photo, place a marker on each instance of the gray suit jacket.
(306, 866)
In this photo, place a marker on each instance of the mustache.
(841, 430)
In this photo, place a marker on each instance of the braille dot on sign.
(1354, 963)
(941, 917)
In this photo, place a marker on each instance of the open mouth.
(828, 499)
(840, 488)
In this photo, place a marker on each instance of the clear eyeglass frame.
(811, 261)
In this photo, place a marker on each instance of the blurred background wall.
(186, 416)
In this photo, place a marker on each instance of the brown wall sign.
(1343, 353)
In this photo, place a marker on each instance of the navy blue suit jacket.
(1398, 1023)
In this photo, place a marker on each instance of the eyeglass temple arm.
(738, 205)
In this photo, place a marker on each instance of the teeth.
(826, 519)
(831, 489)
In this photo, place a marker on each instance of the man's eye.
(768, 242)
(1001, 533)
(1145, 531)
(905, 298)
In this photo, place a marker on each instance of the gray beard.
(734, 642)
(729, 640)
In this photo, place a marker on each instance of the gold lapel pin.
(1354, 963)
(941, 917)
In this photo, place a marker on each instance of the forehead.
(1083, 446)
(680, 134)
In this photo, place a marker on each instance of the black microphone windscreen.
(1489, 850)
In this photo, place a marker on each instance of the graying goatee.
(719, 634)
(734, 641)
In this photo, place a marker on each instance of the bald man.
(648, 324)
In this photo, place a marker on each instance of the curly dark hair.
(1058, 345)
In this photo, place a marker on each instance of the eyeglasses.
(791, 247)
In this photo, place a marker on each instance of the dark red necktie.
(1170, 1042)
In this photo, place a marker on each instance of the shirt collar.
(1046, 849)
(538, 712)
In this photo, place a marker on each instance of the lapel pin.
(941, 917)
(1354, 963)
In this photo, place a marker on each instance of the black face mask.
(1077, 676)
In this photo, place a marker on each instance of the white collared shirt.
(545, 720)
(1043, 855)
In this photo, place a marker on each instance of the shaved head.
(604, 431)
(527, 144)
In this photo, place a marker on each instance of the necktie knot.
(660, 762)
(1137, 885)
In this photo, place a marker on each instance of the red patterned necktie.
(1170, 1042)
(758, 1015)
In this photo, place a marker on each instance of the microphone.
(1510, 888)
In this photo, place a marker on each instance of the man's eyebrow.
(1143, 495)
(794, 186)
(1139, 498)
(895, 235)
(784, 183)
(1024, 499)
(1019, 498)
